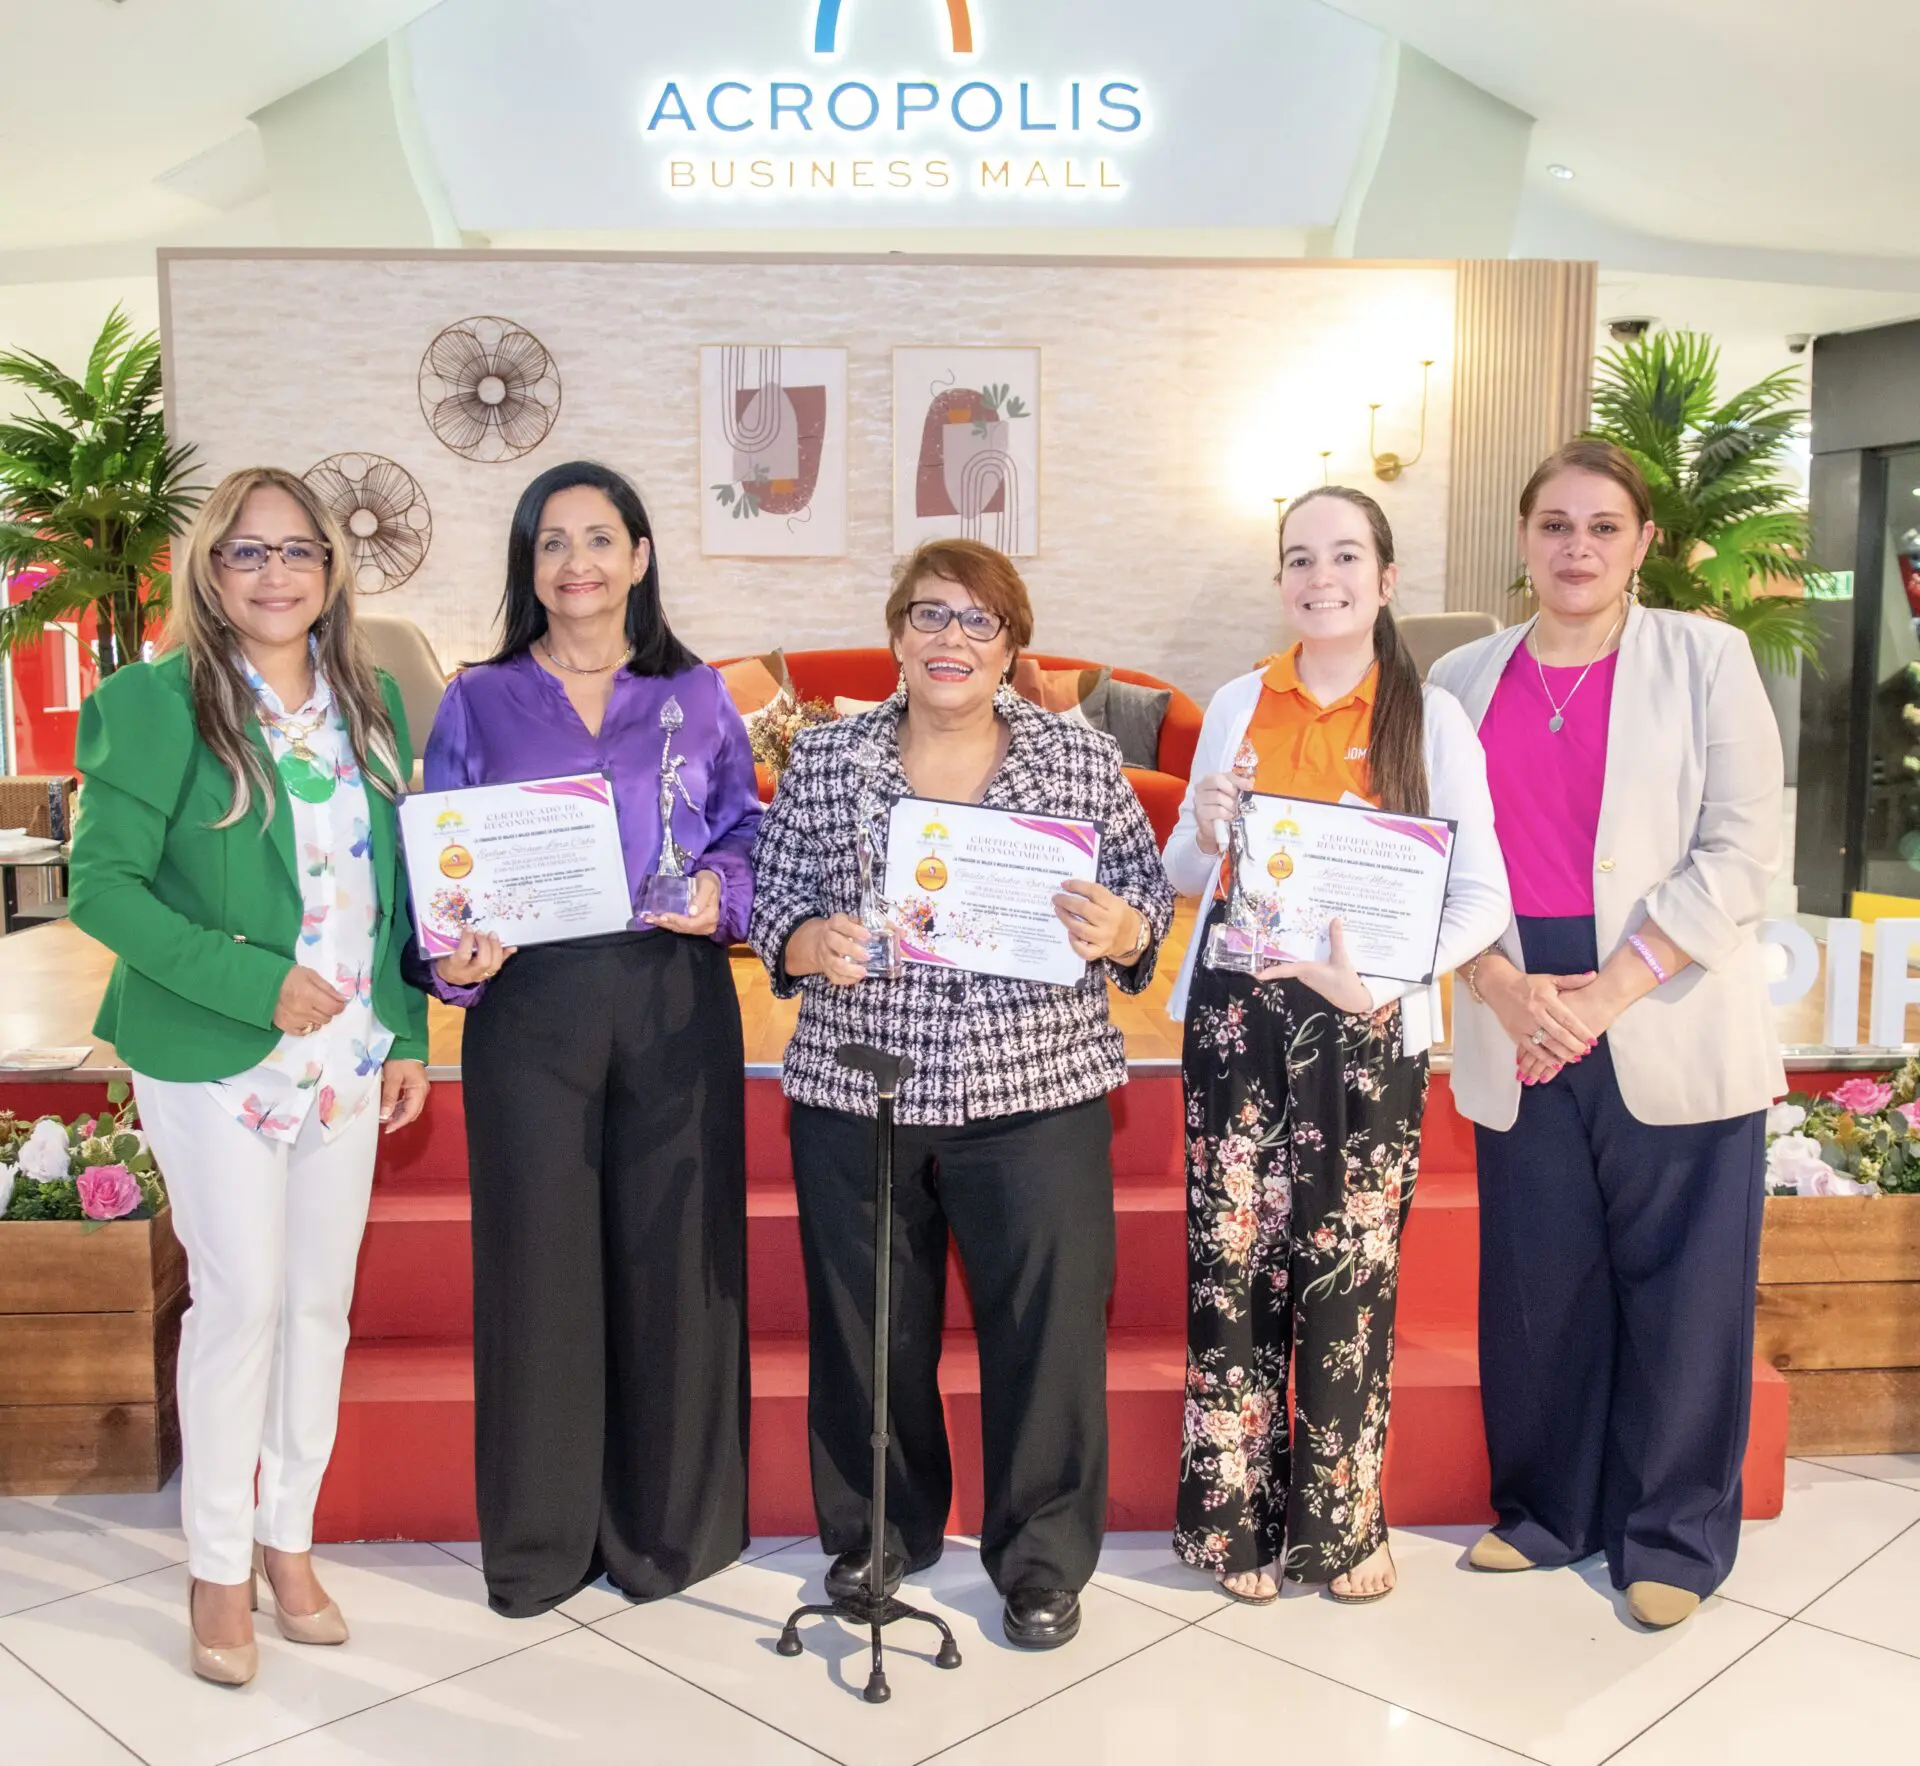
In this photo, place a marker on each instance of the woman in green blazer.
(237, 851)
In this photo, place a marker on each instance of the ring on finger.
(1538, 1037)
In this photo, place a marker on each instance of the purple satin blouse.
(507, 722)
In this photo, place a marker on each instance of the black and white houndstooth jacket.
(982, 1045)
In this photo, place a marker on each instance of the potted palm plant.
(91, 493)
(1733, 538)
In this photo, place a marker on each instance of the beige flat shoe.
(233, 1664)
(328, 1626)
(1658, 1605)
(1491, 1552)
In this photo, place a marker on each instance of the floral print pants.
(1303, 1144)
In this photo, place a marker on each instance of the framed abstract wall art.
(773, 451)
(966, 447)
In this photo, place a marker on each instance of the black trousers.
(1617, 1271)
(1029, 1200)
(606, 1132)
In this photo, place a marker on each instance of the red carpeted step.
(416, 1268)
(403, 1465)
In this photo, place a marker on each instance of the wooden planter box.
(89, 1328)
(1839, 1315)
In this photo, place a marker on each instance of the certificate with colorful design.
(531, 863)
(1383, 877)
(973, 888)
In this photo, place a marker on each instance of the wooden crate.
(1839, 1315)
(89, 1329)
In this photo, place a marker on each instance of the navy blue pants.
(1617, 1271)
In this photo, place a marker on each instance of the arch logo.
(826, 27)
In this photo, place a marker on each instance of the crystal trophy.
(870, 848)
(1235, 944)
(669, 890)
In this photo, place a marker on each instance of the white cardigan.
(1478, 908)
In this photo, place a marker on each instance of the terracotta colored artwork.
(773, 451)
(966, 441)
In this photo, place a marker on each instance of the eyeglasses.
(935, 616)
(250, 555)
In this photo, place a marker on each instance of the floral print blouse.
(335, 1071)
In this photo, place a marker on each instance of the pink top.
(1546, 784)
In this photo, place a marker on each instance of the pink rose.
(1910, 1115)
(1864, 1097)
(108, 1192)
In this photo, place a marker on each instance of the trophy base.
(1237, 952)
(667, 895)
(884, 963)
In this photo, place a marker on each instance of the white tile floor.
(1812, 1651)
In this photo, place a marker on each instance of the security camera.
(1629, 329)
(1797, 342)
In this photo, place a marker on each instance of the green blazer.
(205, 921)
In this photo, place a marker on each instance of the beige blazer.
(1689, 837)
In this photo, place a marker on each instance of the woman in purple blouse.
(605, 1088)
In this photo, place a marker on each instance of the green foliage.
(109, 1139)
(1000, 403)
(1728, 521)
(91, 491)
(744, 498)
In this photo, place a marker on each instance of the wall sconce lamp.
(1389, 466)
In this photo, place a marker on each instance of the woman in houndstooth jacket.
(1004, 1128)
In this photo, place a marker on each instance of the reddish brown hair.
(1397, 747)
(1604, 458)
(988, 576)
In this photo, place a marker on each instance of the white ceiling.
(1779, 124)
(99, 99)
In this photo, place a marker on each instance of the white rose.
(7, 1174)
(1794, 1163)
(46, 1156)
(1785, 1118)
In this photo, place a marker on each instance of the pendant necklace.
(299, 768)
(1558, 721)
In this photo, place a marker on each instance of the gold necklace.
(546, 650)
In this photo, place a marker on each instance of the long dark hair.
(656, 651)
(1397, 748)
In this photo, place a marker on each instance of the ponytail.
(1397, 749)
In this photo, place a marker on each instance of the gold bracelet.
(1135, 951)
(1472, 973)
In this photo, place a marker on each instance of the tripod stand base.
(860, 1609)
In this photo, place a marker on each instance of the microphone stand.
(871, 1606)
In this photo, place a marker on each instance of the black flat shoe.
(1042, 1618)
(847, 1574)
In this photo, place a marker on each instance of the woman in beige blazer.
(1616, 1052)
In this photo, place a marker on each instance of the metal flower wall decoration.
(488, 389)
(384, 512)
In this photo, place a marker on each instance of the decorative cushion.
(756, 682)
(1133, 716)
(1058, 689)
(845, 707)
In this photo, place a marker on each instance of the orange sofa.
(872, 674)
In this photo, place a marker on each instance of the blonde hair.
(223, 703)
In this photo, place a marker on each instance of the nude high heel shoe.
(328, 1626)
(233, 1664)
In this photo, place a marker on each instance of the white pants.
(272, 1233)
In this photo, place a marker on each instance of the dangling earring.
(1529, 581)
(1633, 588)
(900, 686)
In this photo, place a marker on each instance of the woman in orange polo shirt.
(1305, 1084)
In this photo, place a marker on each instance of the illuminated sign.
(736, 136)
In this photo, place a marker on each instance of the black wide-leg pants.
(1617, 1271)
(606, 1103)
(1029, 1202)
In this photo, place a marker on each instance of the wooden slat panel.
(88, 1357)
(60, 1450)
(59, 1266)
(1523, 379)
(1839, 1325)
(1875, 1411)
(1840, 1239)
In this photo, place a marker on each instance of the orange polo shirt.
(1304, 748)
(1307, 749)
